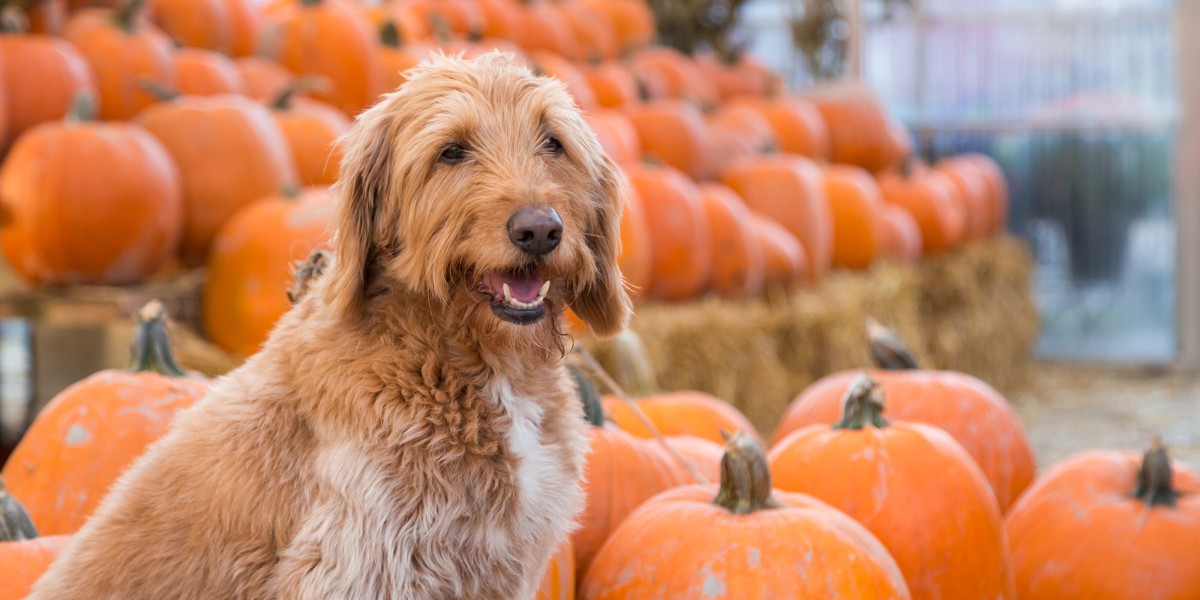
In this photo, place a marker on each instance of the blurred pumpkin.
(312, 129)
(797, 124)
(674, 132)
(784, 259)
(262, 78)
(901, 234)
(555, 65)
(24, 556)
(997, 187)
(856, 206)
(545, 29)
(201, 72)
(972, 186)
(632, 21)
(617, 135)
(60, 71)
(245, 26)
(613, 85)
(858, 127)
(558, 583)
(679, 240)
(931, 200)
(194, 23)
(683, 78)
(739, 266)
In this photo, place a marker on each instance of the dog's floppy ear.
(364, 182)
(603, 302)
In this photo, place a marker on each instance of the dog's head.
(478, 184)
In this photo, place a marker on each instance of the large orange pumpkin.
(312, 129)
(396, 57)
(678, 226)
(636, 258)
(200, 72)
(230, 152)
(997, 189)
(262, 78)
(798, 126)
(972, 186)
(737, 132)
(60, 71)
(739, 76)
(249, 266)
(617, 135)
(612, 83)
(558, 583)
(741, 539)
(245, 26)
(856, 206)
(1106, 524)
(674, 132)
(620, 474)
(545, 29)
(194, 23)
(88, 434)
(901, 234)
(789, 189)
(858, 128)
(702, 455)
(632, 21)
(502, 18)
(682, 77)
(785, 262)
(971, 411)
(932, 200)
(912, 486)
(84, 202)
(331, 39)
(24, 556)
(591, 28)
(739, 268)
(554, 65)
(123, 49)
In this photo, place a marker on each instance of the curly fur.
(394, 438)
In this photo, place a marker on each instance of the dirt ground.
(1067, 409)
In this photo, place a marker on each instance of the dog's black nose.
(535, 230)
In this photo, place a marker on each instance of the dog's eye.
(552, 145)
(452, 154)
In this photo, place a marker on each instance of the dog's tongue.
(523, 285)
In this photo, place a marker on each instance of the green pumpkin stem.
(161, 91)
(389, 35)
(441, 28)
(15, 524)
(306, 271)
(862, 405)
(151, 348)
(83, 108)
(127, 13)
(632, 365)
(310, 2)
(887, 349)
(593, 410)
(745, 476)
(1155, 481)
(13, 20)
(300, 85)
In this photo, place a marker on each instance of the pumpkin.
(784, 260)
(245, 27)
(60, 71)
(683, 78)
(330, 39)
(554, 65)
(678, 226)
(797, 124)
(702, 455)
(621, 472)
(971, 184)
(249, 266)
(674, 132)
(262, 78)
(636, 257)
(46, 17)
(898, 144)
(857, 125)
(444, 17)
(971, 411)
(396, 58)
(932, 201)
(544, 28)
(997, 189)
(88, 434)
(689, 413)
(201, 72)
(502, 18)
(741, 539)
(65, 181)
(789, 190)
(739, 76)
(912, 486)
(739, 268)
(558, 583)
(736, 133)
(1107, 524)
(592, 30)
(901, 236)
(613, 85)
(855, 204)
(230, 152)
(24, 556)
(632, 21)
(122, 49)
(312, 129)
(194, 23)
(616, 134)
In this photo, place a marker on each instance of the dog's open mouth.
(518, 296)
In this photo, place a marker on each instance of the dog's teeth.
(542, 292)
(507, 295)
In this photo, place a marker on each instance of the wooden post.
(1187, 185)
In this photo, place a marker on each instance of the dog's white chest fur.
(524, 439)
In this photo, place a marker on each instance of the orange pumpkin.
(932, 201)
(502, 18)
(245, 26)
(65, 181)
(88, 434)
(396, 57)
(194, 23)
(855, 203)
(901, 234)
(312, 129)
(739, 267)
(544, 29)
(554, 65)
(971, 411)
(444, 17)
(201, 72)
(1106, 524)
(24, 556)
(797, 124)
(972, 187)
(46, 17)
(262, 78)
(858, 128)
(740, 76)
(679, 239)
(785, 262)
(997, 189)
(60, 71)
(330, 39)
(703, 455)
(122, 49)
(674, 132)
(632, 21)
(683, 78)
(558, 583)
(613, 85)
(592, 30)
(230, 152)
(789, 190)
(911, 485)
(741, 539)
(636, 258)
(249, 266)
(736, 133)
(617, 135)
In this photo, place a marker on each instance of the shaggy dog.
(409, 430)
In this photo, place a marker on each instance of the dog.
(409, 429)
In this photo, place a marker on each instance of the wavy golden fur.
(399, 435)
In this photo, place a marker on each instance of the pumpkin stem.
(151, 348)
(745, 476)
(13, 20)
(15, 524)
(1155, 485)
(889, 351)
(593, 410)
(161, 91)
(632, 368)
(83, 108)
(441, 28)
(300, 85)
(310, 2)
(389, 35)
(305, 272)
(862, 405)
(127, 13)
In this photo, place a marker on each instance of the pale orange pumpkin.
(679, 240)
(313, 130)
(200, 72)
(24, 557)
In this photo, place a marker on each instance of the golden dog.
(409, 429)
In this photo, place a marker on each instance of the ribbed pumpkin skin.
(681, 545)
(559, 581)
(1079, 533)
(738, 265)
(262, 78)
(121, 60)
(64, 182)
(678, 226)
(201, 72)
(194, 23)
(918, 491)
(855, 204)
(797, 124)
(60, 71)
(901, 234)
(24, 562)
(931, 199)
(612, 83)
(971, 411)
(245, 26)
(973, 188)
(636, 258)
(250, 266)
(230, 152)
(997, 189)
(617, 135)
(312, 129)
(783, 255)
(674, 132)
(680, 413)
